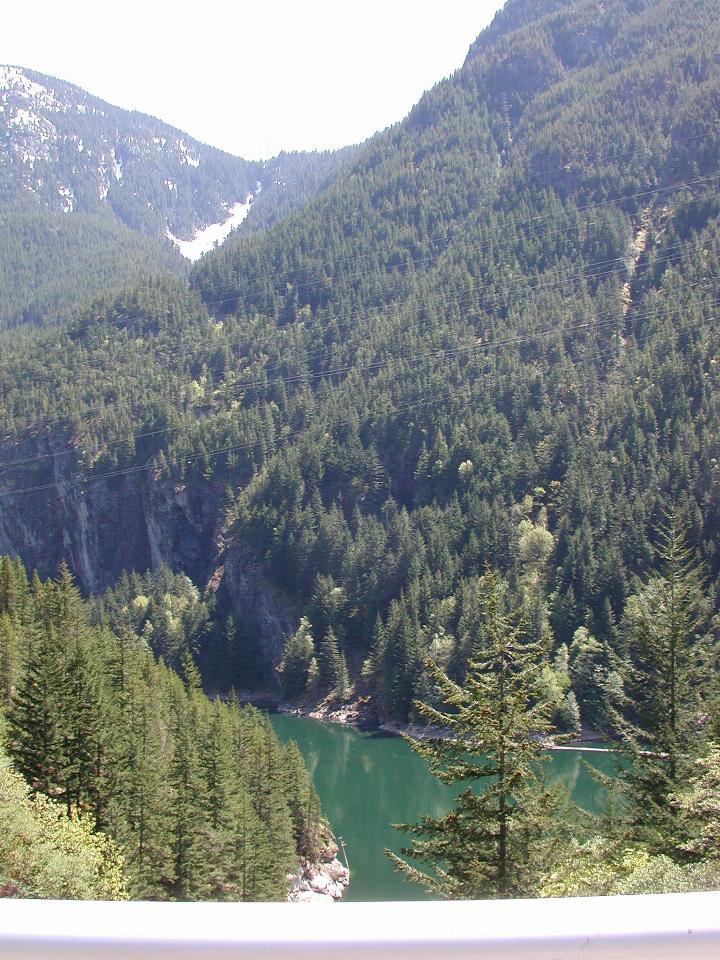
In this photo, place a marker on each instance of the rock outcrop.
(133, 521)
(324, 881)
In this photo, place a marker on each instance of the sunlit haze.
(253, 80)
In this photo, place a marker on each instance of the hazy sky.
(251, 78)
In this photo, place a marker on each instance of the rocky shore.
(359, 712)
(324, 881)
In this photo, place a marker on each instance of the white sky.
(251, 78)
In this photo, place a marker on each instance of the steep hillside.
(80, 178)
(66, 150)
(200, 799)
(491, 342)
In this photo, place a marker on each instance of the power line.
(504, 180)
(128, 471)
(240, 387)
(127, 318)
(551, 279)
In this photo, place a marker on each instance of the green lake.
(367, 782)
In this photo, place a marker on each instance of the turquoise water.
(367, 782)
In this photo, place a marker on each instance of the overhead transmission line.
(246, 445)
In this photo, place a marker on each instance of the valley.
(441, 409)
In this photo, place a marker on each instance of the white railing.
(613, 928)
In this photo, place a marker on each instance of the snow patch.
(12, 78)
(115, 164)
(110, 167)
(186, 156)
(23, 118)
(68, 199)
(205, 239)
(30, 132)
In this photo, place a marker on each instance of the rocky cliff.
(133, 521)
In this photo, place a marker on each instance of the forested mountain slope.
(52, 262)
(81, 178)
(199, 798)
(492, 342)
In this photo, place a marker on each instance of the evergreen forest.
(143, 787)
(462, 390)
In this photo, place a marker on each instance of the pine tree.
(329, 662)
(226, 799)
(140, 813)
(254, 873)
(260, 857)
(9, 657)
(299, 651)
(664, 626)
(500, 838)
(266, 779)
(342, 686)
(88, 724)
(190, 809)
(36, 717)
(304, 803)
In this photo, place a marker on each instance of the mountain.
(67, 151)
(491, 341)
(131, 184)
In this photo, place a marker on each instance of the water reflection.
(366, 783)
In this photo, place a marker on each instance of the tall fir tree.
(666, 629)
(501, 836)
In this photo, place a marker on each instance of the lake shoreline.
(367, 782)
(359, 714)
(325, 880)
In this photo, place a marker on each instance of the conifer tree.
(266, 779)
(226, 803)
(295, 664)
(36, 716)
(140, 812)
(9, 657)
(200, 797)
(88, 726)
(665, 628)
(500, 837)
(189, 811)
(329, 662)
(304, 803)
(254, 873)
(242, 862)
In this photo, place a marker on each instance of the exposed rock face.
(323, 882)
(101, 528)
(255, 600)
(355, 711)
(133, 521)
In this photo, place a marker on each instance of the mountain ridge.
(66, 152)
(490, 342)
